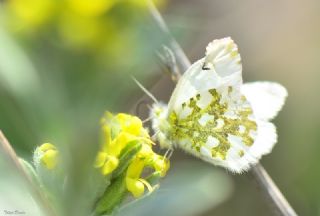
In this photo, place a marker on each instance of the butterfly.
(214, 116)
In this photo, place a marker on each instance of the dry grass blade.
(181, 57)
(271, 191)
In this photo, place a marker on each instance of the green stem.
(113, 196)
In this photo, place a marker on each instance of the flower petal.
(111, 164)
(100, 159)
(49, 159)
(135, 186)
(129, 123)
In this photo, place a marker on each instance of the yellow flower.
(108, 163)
(79, 31)
(107, 159)
(134, 185)
(29, 14)
(130, 124)
(91, 7)
(145, 158)
(47, 155)
(117, 131)
(161, 165)
(123, 136)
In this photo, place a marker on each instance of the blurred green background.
(60, 70)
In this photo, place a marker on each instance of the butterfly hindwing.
(217, 125)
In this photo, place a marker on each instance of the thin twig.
(271, 191)
(268, 187)
(8, 151)
(183, 60)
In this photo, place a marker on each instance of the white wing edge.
(266, 98)
(264, 142)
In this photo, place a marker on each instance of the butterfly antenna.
(147, 119)
(145, 90)
(153, 137)
(149, 107)
(168, 153)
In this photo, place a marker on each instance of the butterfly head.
(160, 124)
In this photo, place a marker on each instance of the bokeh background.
(64, 64)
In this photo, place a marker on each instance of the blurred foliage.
(15, 196)
(118, 172)
(64, 62)
(191, 188)
(98, 25)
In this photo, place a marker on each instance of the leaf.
(28, 168)
(15, 192)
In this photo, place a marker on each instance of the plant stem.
(271, 191)
(181, 57)
(268, 187)
(112, 197)
(8, 151)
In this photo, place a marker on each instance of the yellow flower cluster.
(119, 130)
(80, 23)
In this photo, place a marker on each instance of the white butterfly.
(215, 117)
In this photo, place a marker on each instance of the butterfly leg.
(168, 153)
(169, 63)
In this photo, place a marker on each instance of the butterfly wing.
(209, 116)
(222, 63)
(218, 126)
(266, 98)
